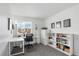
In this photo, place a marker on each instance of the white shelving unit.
(62, 42)
(19, 42)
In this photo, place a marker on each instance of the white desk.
(13, 40)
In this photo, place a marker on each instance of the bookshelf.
(62, 42)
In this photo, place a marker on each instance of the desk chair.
(29, 40)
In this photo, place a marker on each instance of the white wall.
(4, 33)
(4, 9)
(40, 23)
(73, 14)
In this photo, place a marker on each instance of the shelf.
(16, 53)
(51, 40)
(52, 43)
(66, 45)
(16, 50)
(64, 38)
(63, 43)
(60, 43)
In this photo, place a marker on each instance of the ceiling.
(38, 10)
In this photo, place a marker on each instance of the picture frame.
(58, 24)
(8, 23)
(52, 25)
(67, 23)
(13, 26)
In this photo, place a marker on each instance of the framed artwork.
(58, 24)
(13, 26)
(67, 23)
(8, 23)
(52, 25)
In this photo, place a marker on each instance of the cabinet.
(44, 37)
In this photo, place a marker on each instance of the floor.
(41, 50)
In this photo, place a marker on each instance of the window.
(24, 27)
